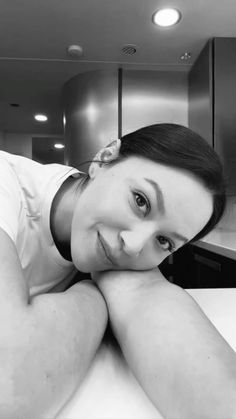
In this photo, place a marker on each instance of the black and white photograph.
(117, 209)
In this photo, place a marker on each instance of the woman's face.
(135, 213)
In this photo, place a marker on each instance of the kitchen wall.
(36, 147)
(1, 140)
(43, 149)
(16, 143)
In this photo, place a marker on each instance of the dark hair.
(177, 146)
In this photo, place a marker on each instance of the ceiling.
(34, 36)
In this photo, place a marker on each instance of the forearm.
(181, 361)
(56, 340)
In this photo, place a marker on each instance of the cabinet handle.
(208, 262)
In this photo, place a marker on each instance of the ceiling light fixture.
(75, 51)
(40, 117)
(59, 145)
(166, 17)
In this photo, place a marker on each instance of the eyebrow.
(180, 237)
(159, 195)
(161, 206)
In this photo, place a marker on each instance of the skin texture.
(45, 347)
(120, 207)
(117, 228)
(177, 355)
(115, 223)
(179, 358)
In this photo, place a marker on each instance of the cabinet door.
(225, 106)
(201, 94)
(194, 267)
(183, 269)
(207, 270)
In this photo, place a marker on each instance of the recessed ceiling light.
(58, 145)
(40, 117)
(75, 51)
(166, 17)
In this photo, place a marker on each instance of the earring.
(91, 171)
(106, 154)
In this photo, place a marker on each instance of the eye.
(141, 202)
(166, 244)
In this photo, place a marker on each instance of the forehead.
(139, 167)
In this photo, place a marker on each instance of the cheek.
(88, 215)
(110, 209)
(150, 257)
(79, 226)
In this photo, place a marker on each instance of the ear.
(105, 155)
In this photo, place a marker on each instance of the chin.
(82, 266)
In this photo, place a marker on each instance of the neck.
(62, 213)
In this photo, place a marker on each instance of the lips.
(106, 249)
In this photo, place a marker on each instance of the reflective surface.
(90, 114)
(96, 109)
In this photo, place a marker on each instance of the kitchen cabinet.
(102, 105)
(212, 110)
(194, 267)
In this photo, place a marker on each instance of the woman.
(145, 196)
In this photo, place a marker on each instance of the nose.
(133, 241)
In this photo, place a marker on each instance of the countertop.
(110, 391)
(220, 241)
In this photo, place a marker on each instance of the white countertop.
(110, 391)
(220, 241)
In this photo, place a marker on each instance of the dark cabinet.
(212, 92)
(194, 267)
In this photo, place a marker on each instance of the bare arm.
(182, 362)
(47, 344)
